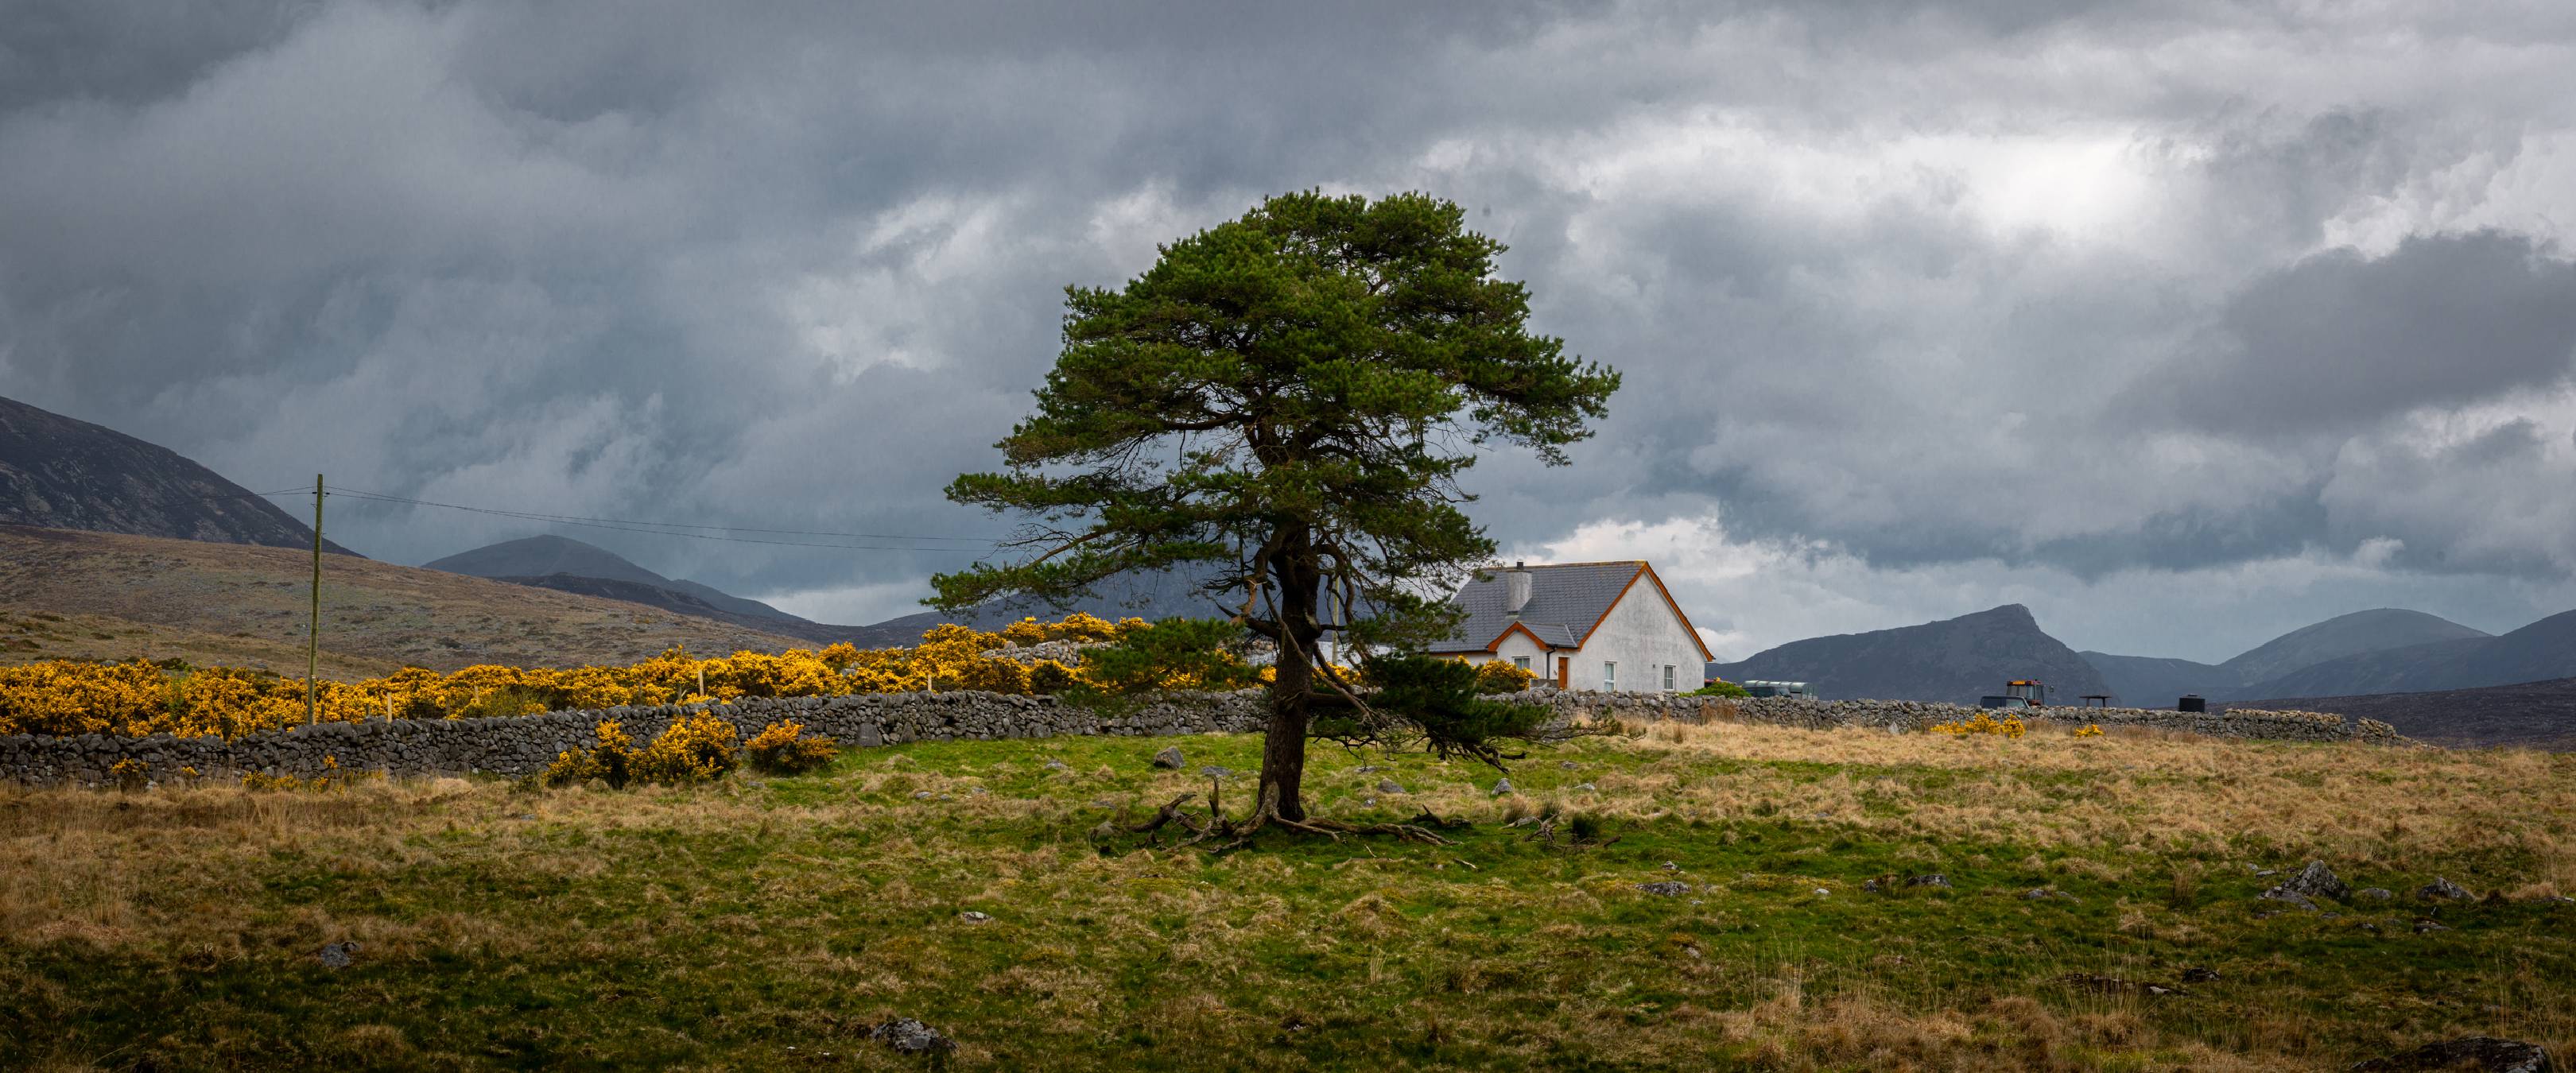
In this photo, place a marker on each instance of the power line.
(672, 525)
(629, 526)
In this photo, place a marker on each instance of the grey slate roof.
(1566, 601)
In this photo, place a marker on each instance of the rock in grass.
(1669, 888)
(2314, 881)
(909, 1036)
(973, 917)
(1389, 786)
(1170, 757)
(2292, 897)
(1216, 772)
(2427, 927)
(337, 955)
(2375, 894)
(1055, 765)
(2443, 889)
(1502, 787)
(1934, 879)
(2199, 976)
(2486, 1052)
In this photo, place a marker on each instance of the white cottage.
(1608, 626)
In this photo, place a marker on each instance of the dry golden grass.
(2139, 793)
(723, 926)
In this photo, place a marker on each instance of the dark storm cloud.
(1945, 288)
(2340, 340)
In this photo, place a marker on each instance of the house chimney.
(1516, 586)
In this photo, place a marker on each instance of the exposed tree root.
(1170, 811)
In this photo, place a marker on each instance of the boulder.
(1669, 888)
(337, 955)
(1502, 786)
(2279, 894)
(1934, 879)
(2475, 1052)
(2443, 889)
(1389, 786)
(1170, 757)
(909, 1036)
(2314, 881)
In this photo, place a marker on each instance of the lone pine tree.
(1281, 406)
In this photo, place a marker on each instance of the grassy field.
(769, 923)
(66, 594)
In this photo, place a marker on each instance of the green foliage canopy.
(1281, 406)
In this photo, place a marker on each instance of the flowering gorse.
(2008, 727)
(783, 749)
(65, 697)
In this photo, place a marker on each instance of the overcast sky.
(2183, 324)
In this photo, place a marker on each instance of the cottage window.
(1609, 675)
(1668, 677)
(1521, 662)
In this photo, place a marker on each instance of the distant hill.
(1161, 595)
(2543, 650)
(2157, 682)
(2530, 714)
(71, 594)
(2360, 632)
(540, 556)
(1956, 660)
(63, 473)
(567, 565)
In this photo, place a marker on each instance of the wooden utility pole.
(313, 634)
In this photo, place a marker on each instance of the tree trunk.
(1283, 739)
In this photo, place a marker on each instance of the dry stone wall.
(1911, 716)
(520, 746)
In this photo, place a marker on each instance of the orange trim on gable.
(1647, 570)
(1497, 644)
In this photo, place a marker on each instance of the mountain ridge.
(2543, 650)
(564, 564)
(60, 472)
(1957, 660)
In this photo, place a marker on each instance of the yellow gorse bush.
(2008, 727)
(1502, 676)
(783, 749)
(697, 747)
(63, 697)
